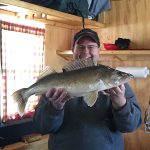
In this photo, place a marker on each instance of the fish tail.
(20, 100)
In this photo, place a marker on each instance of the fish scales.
(73, 81)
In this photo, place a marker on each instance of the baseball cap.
(84, 33)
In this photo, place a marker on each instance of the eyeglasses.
(89, 47)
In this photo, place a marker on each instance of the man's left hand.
(117, 95)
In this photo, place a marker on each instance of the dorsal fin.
(79, 64)
(46, 71)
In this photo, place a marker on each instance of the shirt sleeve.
(46, 118)
(129, 117)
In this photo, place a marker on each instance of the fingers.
(117, 96)
(118, 90)
(58, 97)
(106, 92)
(50, 92)
(115, 90)
(61, 95)
(109, 92)
(122, 87)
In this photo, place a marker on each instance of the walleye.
(80, 78)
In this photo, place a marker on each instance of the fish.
(83, 77)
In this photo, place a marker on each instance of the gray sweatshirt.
(80, 127)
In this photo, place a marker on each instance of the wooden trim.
(119, 54)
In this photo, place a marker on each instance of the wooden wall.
(57, 38)
(131, 19)
(127, 19)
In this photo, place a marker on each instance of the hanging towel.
(98, 6)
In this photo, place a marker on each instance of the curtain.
(21, 62)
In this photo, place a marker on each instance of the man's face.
(86, 48)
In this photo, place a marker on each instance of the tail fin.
(20, 100)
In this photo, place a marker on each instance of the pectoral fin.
(91, 98)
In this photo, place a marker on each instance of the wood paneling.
(56, 38)
(131, 19)
(128, 19)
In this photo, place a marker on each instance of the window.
(22, 49)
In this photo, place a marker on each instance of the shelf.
(42, 14)
(119, 54)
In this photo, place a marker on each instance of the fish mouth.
(122, 78)
(131, 76)
(125, 75)
(125, 78)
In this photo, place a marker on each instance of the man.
(75, 126)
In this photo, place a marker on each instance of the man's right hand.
(57, 97)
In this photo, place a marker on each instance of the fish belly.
(82, 89)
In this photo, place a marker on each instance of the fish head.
(118, 77)
(112, 77)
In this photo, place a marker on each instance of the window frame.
(14, 122)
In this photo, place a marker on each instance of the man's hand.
(117, 96)
(57, 97)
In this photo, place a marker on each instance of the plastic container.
(109, 46)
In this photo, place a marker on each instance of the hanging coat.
(98, 6)
(75, 7)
